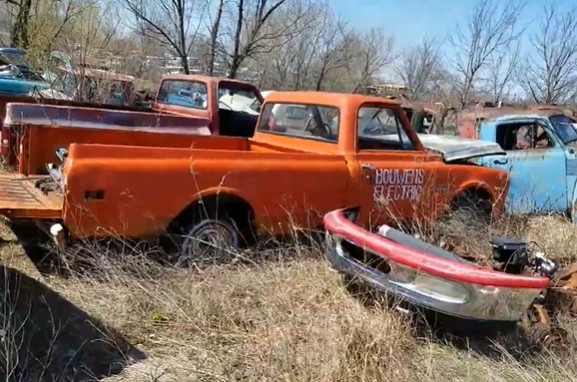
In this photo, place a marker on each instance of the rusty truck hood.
(455, 148)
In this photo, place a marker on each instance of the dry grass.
(285, 317)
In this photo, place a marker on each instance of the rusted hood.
(455, 148)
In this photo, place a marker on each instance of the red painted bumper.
(426, 275)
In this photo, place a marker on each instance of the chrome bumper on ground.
(459, 299)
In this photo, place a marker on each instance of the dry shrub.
(280, 313)
(282, 318)
(253, 322)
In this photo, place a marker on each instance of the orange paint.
(78, 114)
(287, 181)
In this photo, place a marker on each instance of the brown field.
(280, 315)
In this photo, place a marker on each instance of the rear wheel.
(208, 240)
(210, 232)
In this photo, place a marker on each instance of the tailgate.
(20, 199)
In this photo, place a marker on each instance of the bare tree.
(90, 35)
(251, 37)
(502, 70)
(367, 55)
(214, 30)
(418, 67)
(491, 28)
(52, 18)
(330, 46)
(551, 70)
(174, 24)
(19, 31)
(40, 25)
(311, 50)
(328, 56)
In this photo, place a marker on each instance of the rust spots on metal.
(542, 314)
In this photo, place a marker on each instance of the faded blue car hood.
(455, 148)
(16, 86)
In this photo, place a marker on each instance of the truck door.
(393, 173)
(536, 163)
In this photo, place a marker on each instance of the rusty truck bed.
(19, 198)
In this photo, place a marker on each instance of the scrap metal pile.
(510, 255)
(560, 298)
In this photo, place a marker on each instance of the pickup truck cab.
(350, 150)
(540, 158)
(221, 101)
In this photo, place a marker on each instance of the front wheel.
(471, 208)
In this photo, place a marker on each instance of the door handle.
(368, 166)
(501, 161)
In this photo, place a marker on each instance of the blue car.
(541, 158)
(16, 77)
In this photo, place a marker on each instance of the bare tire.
(211, 240)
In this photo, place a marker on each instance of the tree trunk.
(214, 37)
(236, 59)
(184, 63)
(19, 33)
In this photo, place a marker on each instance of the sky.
(408, 20)
(412, 20)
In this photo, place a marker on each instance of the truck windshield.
(564, 128)
(192, 94)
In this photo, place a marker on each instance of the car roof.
(327, 98)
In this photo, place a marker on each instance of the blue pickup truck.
(541, 158)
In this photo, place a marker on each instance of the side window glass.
(192, 94)
(541, 139)
(239, 100)
(307, 121)
(523, 136)
(379, 128)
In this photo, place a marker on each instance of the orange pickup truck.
(228, 107)
(312, 152)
